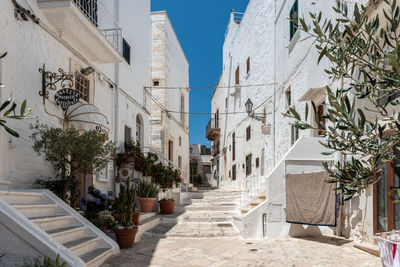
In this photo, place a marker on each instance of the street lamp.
(249, 109)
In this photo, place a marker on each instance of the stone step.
(145, 225)
(54, 222)
(224, 203)
(211, 208)
(37, 210)
(68, 234)
(194, 230)
(96, 257)
(20, 198)
(83, 245)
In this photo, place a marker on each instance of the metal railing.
(102, 19)
(211, 125)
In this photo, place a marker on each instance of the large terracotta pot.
(147, 203)
(167, 206)
(136, 218)
(125, 236)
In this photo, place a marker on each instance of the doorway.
(386, 198)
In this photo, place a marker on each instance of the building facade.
(200, 166)
(110, 40)
(265, 62)
(169, 120)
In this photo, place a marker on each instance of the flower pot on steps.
(136, 218)
(125, 236)
(167, 206)
(147, 203)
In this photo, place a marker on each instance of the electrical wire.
(204, 87)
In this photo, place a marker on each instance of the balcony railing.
(103, 20)
(212, 130)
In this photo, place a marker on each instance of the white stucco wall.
(30, 45)
(170, 68)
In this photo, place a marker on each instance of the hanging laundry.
(310, 200)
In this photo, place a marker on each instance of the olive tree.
(361, 120)
(72, 152)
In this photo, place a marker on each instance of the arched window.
(139, 130)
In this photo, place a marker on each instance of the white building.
(111, 37)
(200, 166)
(169, 122)
(264, 61)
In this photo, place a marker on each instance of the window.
(294, 18)
(180, 141)
(257, 162)
(234, 172)
(126, 51)
(191, 150)
(207, 169)
(248, 66)
(156, 83)
(288, 97)
(82, 85)
(216, 118)
(128, 134)
(237, 76)
(138, 130)
(233, 146)
(171, 151)
(180, 162)
(226, 102)
(294, 134)
(182, 110)
(321, 119)
(248, 165)
(248, 133)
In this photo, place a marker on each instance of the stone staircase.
(57, 226)
(209, 215)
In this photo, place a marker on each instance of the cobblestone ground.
(176, 252)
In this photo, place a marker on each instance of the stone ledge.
(374, 250)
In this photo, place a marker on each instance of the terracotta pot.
(167, 206)
(147, 203)
(125, 237)
(136, 218)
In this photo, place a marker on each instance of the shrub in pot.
(166, 177)
(125, 231)
(95, 202)
(147, 193)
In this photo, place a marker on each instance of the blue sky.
(200, 26)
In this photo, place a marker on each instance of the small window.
(294, 18)
(128, 134)
(138, 130)
(248, 133)
(288, 97)
(126, 51)
(294, 134)
(180, 162)
(156, 83)
(257, 162)
(248, 66)
(234, 172)
(82, 85)
(233, 146)
(180, 141)
(248, 165)
(237, 76)
(226, 102)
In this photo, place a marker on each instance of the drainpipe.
(274, 98)
(116, 89)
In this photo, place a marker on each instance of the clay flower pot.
(167, 206)
(147, 203)
(125, 236)
(136, 218)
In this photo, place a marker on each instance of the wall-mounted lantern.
(257, 116)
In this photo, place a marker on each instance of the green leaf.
(327, 153)
(23, 107)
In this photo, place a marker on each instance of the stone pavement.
(210, 252)
(203, 235)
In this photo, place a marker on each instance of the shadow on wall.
(353, 218)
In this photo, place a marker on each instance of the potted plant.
(104, 222)
(147, 193)
(166, 178)
(125, 231)
(94, 202)
(149, 162)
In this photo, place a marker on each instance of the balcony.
(88, 26)
(213, 130)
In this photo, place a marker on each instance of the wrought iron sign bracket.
(66, 96)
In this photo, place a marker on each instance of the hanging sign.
(66, 97)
